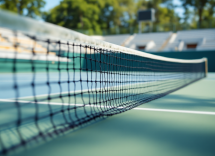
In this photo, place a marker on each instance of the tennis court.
(181, 123)
(42, 100)
(58, 84)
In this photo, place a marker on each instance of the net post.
(206, 67)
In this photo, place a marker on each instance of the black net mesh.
(49, 87)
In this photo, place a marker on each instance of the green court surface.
(179, 124)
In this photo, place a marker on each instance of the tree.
(117, 16)
(198, 5)
(79, 14)
(209, 13)
(31, 8)
(90, 15)
(117, 13)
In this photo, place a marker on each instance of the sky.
(52, 3)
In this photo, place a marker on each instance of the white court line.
(144, 109)
(175, 111)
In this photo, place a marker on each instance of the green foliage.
(91, 15)
(117, 16)
(203, 10)
(109, 16)
(31, 8)
(77, 14)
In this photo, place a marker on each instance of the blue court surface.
(181, 123)
(79, 81)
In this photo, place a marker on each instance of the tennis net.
(54, 80)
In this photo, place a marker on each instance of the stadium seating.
(149, 41)
(24, 47)
(186, 40)
(146, 41)
(115, 39)
(202, 39)
(8, 40)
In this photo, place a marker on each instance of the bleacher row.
(19, 46)
(202, 39)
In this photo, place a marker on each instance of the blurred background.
(36, 70)
(105, 17)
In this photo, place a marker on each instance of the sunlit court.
(121, 78)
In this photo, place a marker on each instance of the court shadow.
(137, 133)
